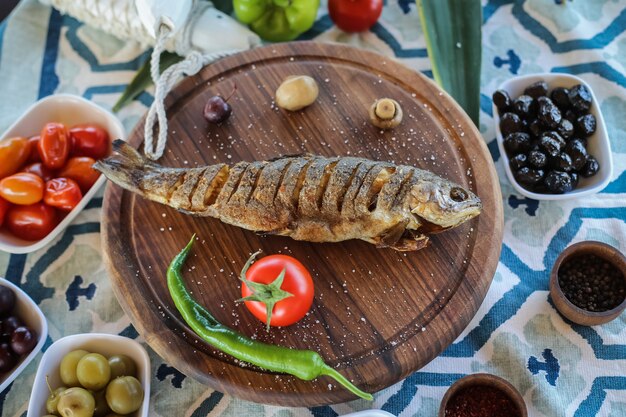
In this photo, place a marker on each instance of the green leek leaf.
(453, 38)
(142, 79)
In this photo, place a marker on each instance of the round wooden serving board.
(378, 315)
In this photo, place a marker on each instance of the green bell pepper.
(277, 20)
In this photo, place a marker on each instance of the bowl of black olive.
(588, 283)
(552, 136)
(23, 331)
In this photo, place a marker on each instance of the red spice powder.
(481, 401)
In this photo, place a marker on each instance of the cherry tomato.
(62, 193)
(40, 170)
(33, 143)
(355, 15)
(297, 281)
(22, 188)
(32, 222)
(13, 153)
(79, 169)
(54, 145)
(90, 140)
(4, 207)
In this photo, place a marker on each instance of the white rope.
(191, 65)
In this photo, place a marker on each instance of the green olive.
(53, 400)
(93, 371)
(122, 365)
(124, 394)
(76, 402)
(68, 367)
(102, 407)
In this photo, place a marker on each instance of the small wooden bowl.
(488, 380)
(565, 306)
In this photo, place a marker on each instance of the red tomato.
(90, 140)
(32, 222)
(4, 206)
(355, 15)
(22, 188)
(62, 193)
(54, 145)
(79, 169)
(40, 170)
(13, 153)
(297, 281)
(33, 143)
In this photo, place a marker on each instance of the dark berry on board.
(562, 162)
(551, 143)
(524, 106)
(529, 176)
(578, 153)
(536, 90)
(518, 142)
(565, 129)
(558, 182)
(560, 97)
(510, 123)
(548, 113)
(518, 161)
(586, 125)
(580, 98)
(591, 168)
(535, 128)
(537, 159)
(502, 100)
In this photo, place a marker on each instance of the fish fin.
(400, 239)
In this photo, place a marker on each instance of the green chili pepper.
(304, 364)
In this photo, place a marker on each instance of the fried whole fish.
(305, 197)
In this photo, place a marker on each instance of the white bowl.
(31, 315)
(598, 143)
(105, 344)
(69, 110)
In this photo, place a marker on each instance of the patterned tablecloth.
(560, 368)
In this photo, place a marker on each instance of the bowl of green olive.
(92, 375)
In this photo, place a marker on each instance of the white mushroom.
(385, 113)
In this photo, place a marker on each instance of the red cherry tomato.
(4, 207)
(297, 281)
(40, 170)
(32, 222)
(54, 145)
(13, 153)
(90, 140)
(33, 143)
(22, 188)
(62, 193)
(355, 15)
(79, 169)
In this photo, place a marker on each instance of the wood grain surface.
(378, 315)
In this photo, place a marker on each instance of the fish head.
(442, 204)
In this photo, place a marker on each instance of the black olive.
(570, 115)
(510, 123)
(577, 151)
(518, 161)
(537, 159)
(502, 100)
(535, 128)
(551, 143)
(586, 125)
(548, 113)
(562, 162)
(518, 142)
(591, 168)
(536, 90)
(580, 98)
(524, 106)
(565, 129)
(558, 182)
(560, 97)
(575, 179)
(529, 176)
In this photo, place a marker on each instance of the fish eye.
(458, 194)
